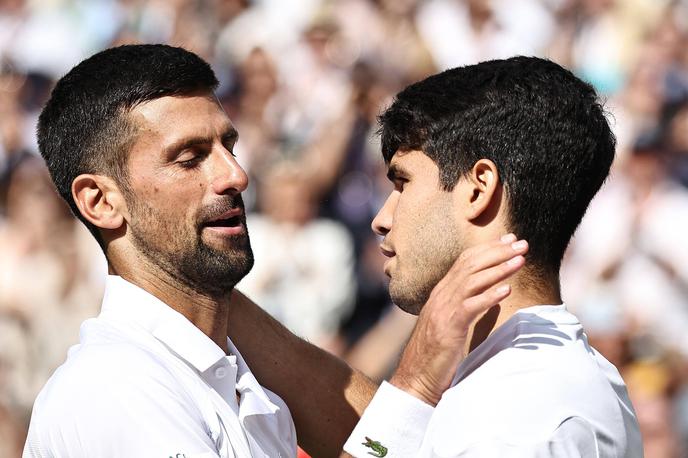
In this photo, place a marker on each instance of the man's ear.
(484, 189)
(99, 200)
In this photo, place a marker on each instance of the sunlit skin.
(426, 228)
(160, 234)
(420, 228)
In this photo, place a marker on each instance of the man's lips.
(229, 222)
(387, 252)
(230, 215)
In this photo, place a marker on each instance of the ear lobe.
(99, 200)
(483, 179)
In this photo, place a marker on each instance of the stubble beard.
(411, 295)
(186, 257)
(215, 272)
(411, 288)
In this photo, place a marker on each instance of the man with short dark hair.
(518, 145)
(139, 147)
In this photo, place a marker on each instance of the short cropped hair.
(84, 127)
(545, 130)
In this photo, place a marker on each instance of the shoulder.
(105, 355)
(544, 376)
(102, 385)
(526, 395)
(574, 437)
(95, 376)
(106, 392)
(517, 378)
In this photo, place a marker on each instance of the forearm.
(326, 397)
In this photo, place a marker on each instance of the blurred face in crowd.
(420, 225)
(184, 192)
(31, 201)
(286, 197)
(259, 75)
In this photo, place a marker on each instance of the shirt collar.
(124, 301)
(254, 399)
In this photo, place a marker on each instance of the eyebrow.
(229, 136)
(394, 172)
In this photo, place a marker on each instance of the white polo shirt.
(533, 388)
(145, 382)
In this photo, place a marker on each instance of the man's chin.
(406, 302)
(216, 270)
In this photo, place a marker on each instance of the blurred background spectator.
(304, 80)
(303, 274)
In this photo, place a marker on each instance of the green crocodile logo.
(379, 450)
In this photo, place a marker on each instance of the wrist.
(415, 387)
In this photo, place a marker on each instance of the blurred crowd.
(303, 81)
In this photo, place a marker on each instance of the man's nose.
(228, 177)
(382, 223)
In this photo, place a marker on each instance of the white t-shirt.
(144, 381)
(533, 388)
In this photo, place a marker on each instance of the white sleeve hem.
(394, 420)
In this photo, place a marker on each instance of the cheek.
(411, 214)
(410, 237)
(427, 227)
(166, 207)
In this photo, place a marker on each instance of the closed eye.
(399, 183)
(191, 159)
(229, 141)
(398, 176)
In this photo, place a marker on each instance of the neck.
(209, 314)
(526, 291)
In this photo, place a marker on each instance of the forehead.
(412, 162)
(172, 118)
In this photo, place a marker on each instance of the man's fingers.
(490, 254)
(508, 238)
(486, 278)
(497, 254)
(479, 282)
(476, 305)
